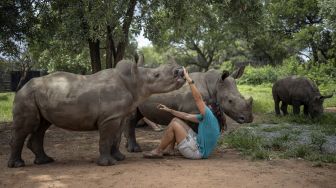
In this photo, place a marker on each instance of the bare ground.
(76, 152)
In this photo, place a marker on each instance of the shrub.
(320, 74)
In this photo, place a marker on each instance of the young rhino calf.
(298, 91)
(100, 101)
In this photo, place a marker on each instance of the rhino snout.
(241, 119)
(179, 72)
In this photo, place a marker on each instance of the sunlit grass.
(6, 104)
(263, 99)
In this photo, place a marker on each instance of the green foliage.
(59, 58)
(6, 103)
(322, 74)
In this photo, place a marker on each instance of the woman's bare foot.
(154, 154)
(168, 152)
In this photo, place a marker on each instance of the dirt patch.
(76, 152)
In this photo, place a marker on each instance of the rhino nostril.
(241, 119)
(179, 72)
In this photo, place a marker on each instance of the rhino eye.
(156, 75)
(230, 101)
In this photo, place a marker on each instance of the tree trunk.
(94, 55)
(120, 53)
(110, 51)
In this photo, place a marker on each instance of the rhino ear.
(171, 59)
(134, 70)
(238, 73)
(225, 74)
(141, 60)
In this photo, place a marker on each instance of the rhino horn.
(171, 59)
(327, 96)
(238, 73)
(225, 74)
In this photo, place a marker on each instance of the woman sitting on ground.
(190, 144)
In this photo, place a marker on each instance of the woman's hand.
(186, 75)
(163, 107)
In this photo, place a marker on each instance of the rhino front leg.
(284, 108)
(107, 134)
(305, 110)
(131, 143)
(115, 152)
(296, 108)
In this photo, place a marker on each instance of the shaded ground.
(75, 153)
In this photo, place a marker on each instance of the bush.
(321, 74)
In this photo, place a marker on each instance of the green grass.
(249, 141)
(263, 106)
(6, 104)
(263, 100)
(252, 145)
(262, 97)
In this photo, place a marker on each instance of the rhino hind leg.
(17, 141)
(22, 127)
(35, 144)
(276, 105)
(284, 108)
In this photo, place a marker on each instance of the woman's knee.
(175, 119)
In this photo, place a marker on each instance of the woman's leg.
(153, 125)
(177, 131)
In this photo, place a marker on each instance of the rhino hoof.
(134, 148)
(118, 156)
(106, 161)
(43, 160)
(16, 163)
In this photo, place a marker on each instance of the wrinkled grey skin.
(212, 85)
(298, 91)
(85, 103)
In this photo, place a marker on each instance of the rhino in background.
(213, 85)
(100, 101)
(298, 91)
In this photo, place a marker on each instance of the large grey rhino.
(298, 91)
(100, 101)
(213, 86)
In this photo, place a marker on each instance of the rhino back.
(295, 88)
(73, 101)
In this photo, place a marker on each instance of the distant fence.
(5, 81)
(9, 80)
